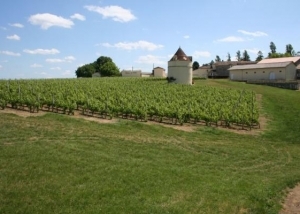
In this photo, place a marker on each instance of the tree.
(218, 59)
(106, 67)
(259, 56)
(246, 56)
(86, 70)
(289, 50)
(238, 55)
(109, 69)
(272, 48)
(228, 57)
(195, 65)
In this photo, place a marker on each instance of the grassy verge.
(58, 164)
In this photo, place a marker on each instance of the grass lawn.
(59, 164)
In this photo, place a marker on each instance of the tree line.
(245, 56)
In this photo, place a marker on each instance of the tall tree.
(289, 49)
(218, 59)
(272, 48)
(246, 56)
(228, 57)
(238, 55)
(106, 67)
(195, 65)
(259, 57)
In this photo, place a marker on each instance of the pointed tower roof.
(180, 56)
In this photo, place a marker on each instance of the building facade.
(131, 73)
(280, 71)
(159, 72)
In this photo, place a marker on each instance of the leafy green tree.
(238, 55)
(289, 49)
(86, 70)
(109, 69)
(272, 48)
(101, 61)
(195, 65)
(228, 57)
(259, 57)
(218, 59)
(106, 67)
(246, 56)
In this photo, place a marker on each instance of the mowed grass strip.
(59, 164)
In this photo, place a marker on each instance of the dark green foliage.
(195, 65)
(228, 57)
(86, 70)
(259, 57)
(272, 48)
(290, 50)
(238, 55)
(246, 56)
(104, 65)
(218, 59)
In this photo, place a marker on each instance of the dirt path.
(292, 202)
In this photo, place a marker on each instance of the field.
(59, 163)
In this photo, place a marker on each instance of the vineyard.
(133, 98)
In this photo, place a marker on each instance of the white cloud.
(66, 73)
(66, 59)
(78, 16)
(55, 60)
(18, 25)
(47, 20)
(150, 59)
(231, 39)
(56, 68)
(1, 66)
(198, 54)
(255, 34)
(253, 50)
(9, 53)
(3, 28)
(42, 51)
(69, 59)
(36, 65)
(13, 37)
(134, 45)
(186, 37)
(43, 73)
(117, 13)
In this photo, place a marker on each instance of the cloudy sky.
(52, 38)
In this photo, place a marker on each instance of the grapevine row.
(140, 99)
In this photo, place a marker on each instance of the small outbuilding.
(159, 72)
(180, 68)
(278, 71)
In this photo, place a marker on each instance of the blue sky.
(52, 38)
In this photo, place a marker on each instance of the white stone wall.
(131, 73)
(200, 73)
(181, 71)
